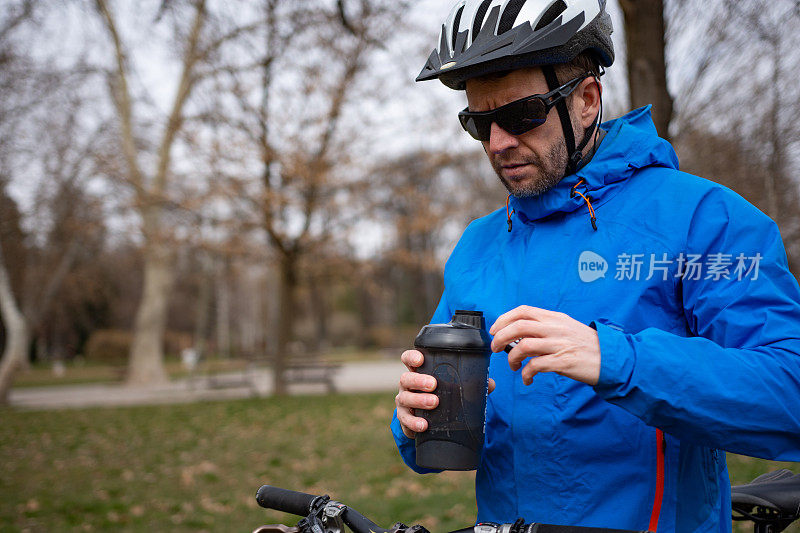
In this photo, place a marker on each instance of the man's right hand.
(415, 393)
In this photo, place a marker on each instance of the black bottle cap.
(466, 331)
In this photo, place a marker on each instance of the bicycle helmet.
(482, 37)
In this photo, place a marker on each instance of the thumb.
(491, 385)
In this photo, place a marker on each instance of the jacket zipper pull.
(509, 211)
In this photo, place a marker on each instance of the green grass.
(196, 467)
(42, 375)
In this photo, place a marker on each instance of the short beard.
(551, 172)
(552, 169)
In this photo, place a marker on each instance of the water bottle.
(457, 355)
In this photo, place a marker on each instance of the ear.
(587, 100)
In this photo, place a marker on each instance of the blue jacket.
(702, 343)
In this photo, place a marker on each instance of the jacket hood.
(631, 142)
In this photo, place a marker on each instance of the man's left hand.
(555, 341)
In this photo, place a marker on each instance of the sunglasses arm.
(554, 96)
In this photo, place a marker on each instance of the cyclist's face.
(527, 164)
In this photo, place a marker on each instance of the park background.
(201, 198)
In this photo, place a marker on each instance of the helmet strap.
(574, 154)
(563, 115)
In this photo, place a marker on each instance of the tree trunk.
(17, 342)
(203, 314)
(365, 314)
(146, 364)
(223, 308)
(17, 334)
(319, 310)
(647, 72)
(286, 318)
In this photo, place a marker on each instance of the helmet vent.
(510, 15)
(479, 16)
(555, 9)
(456, 24)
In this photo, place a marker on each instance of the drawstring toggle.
(509, 212)
(586, 199)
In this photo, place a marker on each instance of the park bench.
(312, 371)
(297, 371)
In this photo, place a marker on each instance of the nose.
(500, 140)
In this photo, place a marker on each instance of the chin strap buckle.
(575, 162)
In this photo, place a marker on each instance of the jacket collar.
(631, 142)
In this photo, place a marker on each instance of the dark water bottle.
(457, 355)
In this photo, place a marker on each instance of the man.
(659, 322)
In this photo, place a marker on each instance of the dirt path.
(350, 378)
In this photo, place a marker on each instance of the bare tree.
(29, 94)
(767, 32)
(647, 73)
(419, 195)
(62, 206)
(152, 188)
(743, 38)
(309, 60)
(16, 100)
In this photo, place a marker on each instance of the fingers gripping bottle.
(457, 355)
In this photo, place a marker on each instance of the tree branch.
(122, 97)
(17, 19)
(185, 86)
(343, 17)
(318, 166)
(35, 312)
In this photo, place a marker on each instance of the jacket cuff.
(407, 447)
(617, 360)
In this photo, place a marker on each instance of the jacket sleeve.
(406, 446)
(734, 382)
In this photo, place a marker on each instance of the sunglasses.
(518, 116)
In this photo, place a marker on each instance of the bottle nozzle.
(470, 318)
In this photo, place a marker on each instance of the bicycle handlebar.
(300, 503)
(288, 501)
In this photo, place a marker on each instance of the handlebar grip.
(288, 501)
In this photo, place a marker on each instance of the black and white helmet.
(484, 36)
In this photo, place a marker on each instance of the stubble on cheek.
(545, 172)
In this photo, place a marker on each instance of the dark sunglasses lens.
(479, 127)
(516, 118)
(522, 116)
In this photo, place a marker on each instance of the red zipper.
(660, 452)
